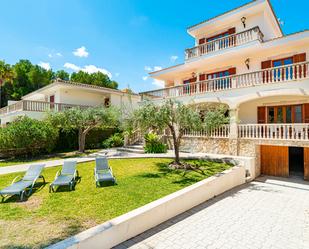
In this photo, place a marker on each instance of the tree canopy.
(84, 120)
(175, 117)
(24, 77)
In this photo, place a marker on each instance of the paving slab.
(267, 213)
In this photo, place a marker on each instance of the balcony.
(225, 42)
(291, 132)
(37, 106)
(281, 74)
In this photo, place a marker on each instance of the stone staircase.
(136, 148)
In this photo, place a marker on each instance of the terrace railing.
(37, 106)
(225, 42)
(274, 131)
(280, 74)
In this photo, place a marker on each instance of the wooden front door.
(306, 163)
(275, 160)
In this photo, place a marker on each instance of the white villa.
(242, 59)
(61, 95)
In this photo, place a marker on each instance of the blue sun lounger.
(24, 186)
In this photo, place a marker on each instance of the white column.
(233, 123)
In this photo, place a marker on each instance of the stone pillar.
(233, 137)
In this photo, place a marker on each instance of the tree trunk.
(176, 143)
(81, 140)
(176, 150)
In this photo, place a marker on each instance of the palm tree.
(6, 75)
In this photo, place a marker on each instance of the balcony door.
(283, 114)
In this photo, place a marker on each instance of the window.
(271, 115)
(288, 71)
(288, 114)
(298, 114)
(284, 114)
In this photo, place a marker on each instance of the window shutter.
(202, 77)
(261, 115)
(232, 71)
(201, 41)
(306, 113)
(266, 64)
(193, 79)
(231, 31)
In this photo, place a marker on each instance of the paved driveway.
(266, 213)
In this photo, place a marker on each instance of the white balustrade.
(280, 74)
(225, 42)
(220, 132)
(274, 131)
(37, 106)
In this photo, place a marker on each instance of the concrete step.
(135, 146)
(131, 150)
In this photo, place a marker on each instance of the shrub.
(26, 136)
(153, 144)
(68, 140)
(115, 140)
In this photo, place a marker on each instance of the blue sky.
(125, 37)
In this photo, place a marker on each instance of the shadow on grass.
(66, 188)
(178, 176)
(106, 184)
(16, 198)
(74, 227)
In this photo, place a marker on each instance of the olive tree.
(176, 118)
(84, 120)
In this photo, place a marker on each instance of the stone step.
(135, 146)
(131, 150)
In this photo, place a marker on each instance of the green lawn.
(56, 156)
(46, 218)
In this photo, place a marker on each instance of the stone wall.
(206, 145)
(236, 147)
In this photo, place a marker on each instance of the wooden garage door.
(275, 160)
(306, 163)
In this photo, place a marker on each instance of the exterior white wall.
(247, 113)
(260, 19)
(79, 97)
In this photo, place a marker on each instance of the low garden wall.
(124, 227)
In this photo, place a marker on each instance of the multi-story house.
(243, 60)
(61, 95)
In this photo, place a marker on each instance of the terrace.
(286, 73)
(226, 42)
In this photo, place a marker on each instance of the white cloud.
(145, 78)
(53, 54)
(81, 52)
(44, 65)
(71, 66)
(94, 69)
(157, 68)
(173, 58)
(117, 74)
(281, 22)
(147, 68)
(158, 83)
(88, 68)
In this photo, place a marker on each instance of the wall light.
(247, 62)
(243, 20)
